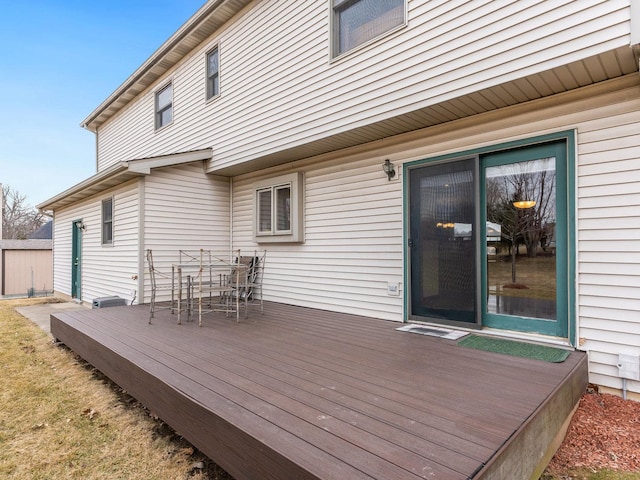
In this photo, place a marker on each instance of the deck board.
(302, 393)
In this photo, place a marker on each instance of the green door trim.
(558, 327)
(76, 259)
(569, 136)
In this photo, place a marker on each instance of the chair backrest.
(256, 267)
(152, 271)
(194, 257)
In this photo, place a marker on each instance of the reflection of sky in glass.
(164, 97)
(531, 166)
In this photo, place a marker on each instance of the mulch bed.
(604, 433)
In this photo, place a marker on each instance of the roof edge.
(99, 177)
(121, 171)
(204, 11)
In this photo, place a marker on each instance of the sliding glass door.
(488, 240)
(443, 241)
(524, 272)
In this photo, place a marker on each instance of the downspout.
(95, 133)
(230, 215)
(141, 238)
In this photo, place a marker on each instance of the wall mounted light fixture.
(389, 169)
(81, 226)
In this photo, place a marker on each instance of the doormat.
(518, 349)
(432, 332)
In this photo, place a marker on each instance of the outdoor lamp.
(389, 169)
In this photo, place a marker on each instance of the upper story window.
(164, 106)
(213, 73)
(279, 209)
(357, 21)
(107, 221)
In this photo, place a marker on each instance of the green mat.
(519, 349)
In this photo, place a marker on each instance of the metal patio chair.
(160, 281)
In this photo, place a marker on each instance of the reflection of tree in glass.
(533, 180)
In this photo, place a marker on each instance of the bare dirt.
(604, 434)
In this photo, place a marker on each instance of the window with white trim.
(355, 22)
(107, 221)
(164, 106)
(213, 73)
(278, 204)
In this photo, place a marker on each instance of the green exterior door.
(488, 238)
(76, 260)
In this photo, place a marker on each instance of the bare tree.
(19, 219)
(531, 226)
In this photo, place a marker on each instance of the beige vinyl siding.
(354, 219)
(345, 262)
(609, 247)
(184, 208)
(279, 88)
(106, 269)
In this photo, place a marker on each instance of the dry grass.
(62, 419)
(537, 274)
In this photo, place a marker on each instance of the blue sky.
(59, 60)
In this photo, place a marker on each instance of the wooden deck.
(306, 394)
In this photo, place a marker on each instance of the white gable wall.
(280, 89)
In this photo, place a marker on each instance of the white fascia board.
(144, 165)
(84, 185)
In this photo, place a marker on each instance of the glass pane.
(521, 221)
(213, 86)
(165, 117)
(164, 97)
(443, 265)
(107, 210)
(212, 63)
(264, 211)
(283, 209)
(107, 232)
(212, 74)
(366, 19)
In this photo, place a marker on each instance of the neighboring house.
(267, 124)
(45, 232)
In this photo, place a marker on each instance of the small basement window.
(278, 204)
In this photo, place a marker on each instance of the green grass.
(538, 274)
